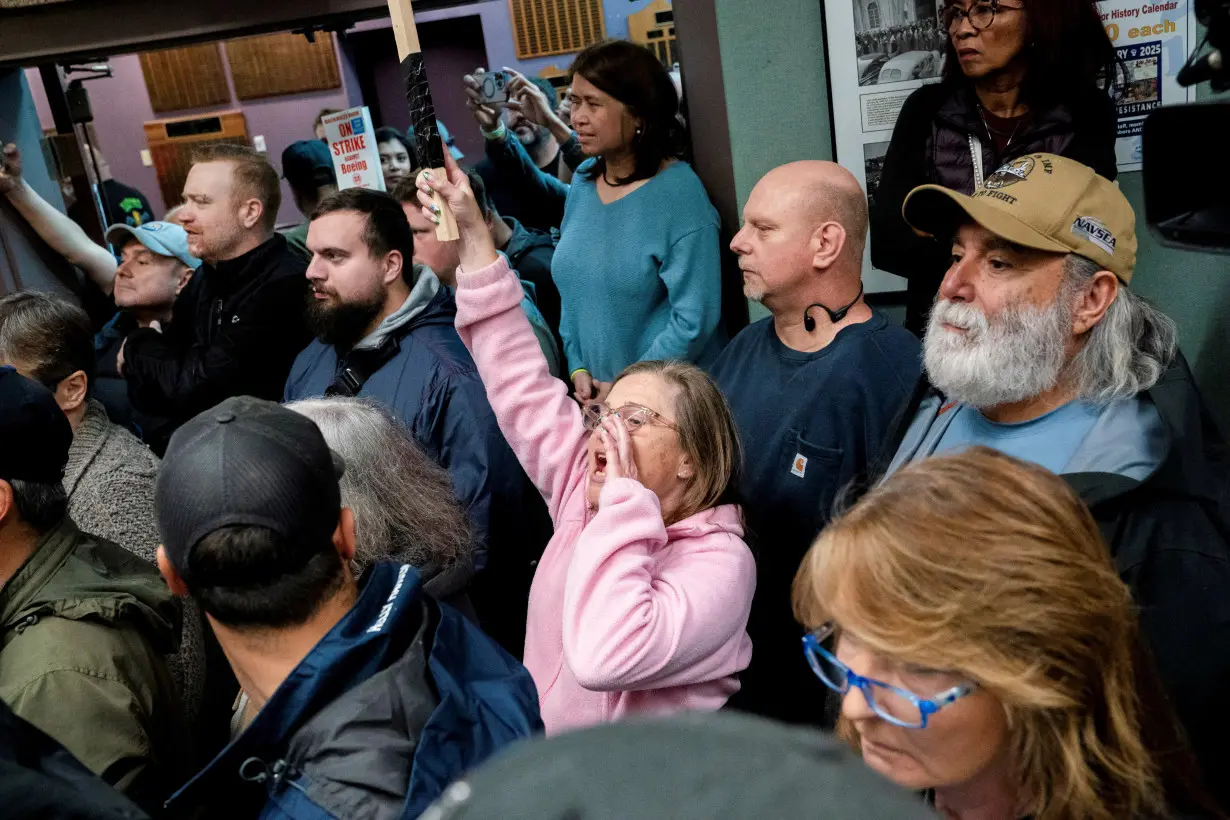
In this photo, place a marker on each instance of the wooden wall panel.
(189, 77)
(278, 64)
(172, 143)
(545, 27)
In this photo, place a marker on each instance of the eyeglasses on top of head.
(980, 15)
(634, 416)
(897, 706)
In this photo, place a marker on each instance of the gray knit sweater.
(110, 484)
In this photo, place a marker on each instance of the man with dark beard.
(1037, 348)
(384, 329)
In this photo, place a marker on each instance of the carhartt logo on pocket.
(234, 320)
(799, 467)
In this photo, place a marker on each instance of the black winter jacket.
(1169, 536)
(40, 779)
(930, 145)
(236, 330)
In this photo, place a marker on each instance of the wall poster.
(879, 51)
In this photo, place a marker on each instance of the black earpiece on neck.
(835, 316)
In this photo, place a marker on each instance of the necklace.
(1019, 121)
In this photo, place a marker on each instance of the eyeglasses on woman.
(980, 15)
(634, 416)
(898, 706)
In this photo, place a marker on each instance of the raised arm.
(56, 229)
(542, 425)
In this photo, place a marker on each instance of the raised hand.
(10, 168)
(617, 442)
(528, 98)
(487, 116)
(477, 249)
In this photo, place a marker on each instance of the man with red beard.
(1037, 347)
(238, 325)
(384, 329)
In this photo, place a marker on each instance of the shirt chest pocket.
(809, 478)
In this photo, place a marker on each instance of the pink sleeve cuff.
(483, 276)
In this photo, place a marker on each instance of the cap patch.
(1094, 231)
(1010, 174)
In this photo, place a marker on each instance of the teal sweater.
(639, 278)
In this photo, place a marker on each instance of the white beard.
(1018, 355)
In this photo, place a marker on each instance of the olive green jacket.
(84, 627)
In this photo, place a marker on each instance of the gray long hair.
(1125, 353)
(403, 503)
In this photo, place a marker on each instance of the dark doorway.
(451, 49)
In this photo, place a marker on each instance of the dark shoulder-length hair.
(633, 76)
(1068, 52)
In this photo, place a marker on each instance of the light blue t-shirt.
(1049, 440)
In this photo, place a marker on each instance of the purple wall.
(121, 103)
(122, 106)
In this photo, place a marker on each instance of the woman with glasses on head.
(1020, 77)
(986, 652)
(640, 602)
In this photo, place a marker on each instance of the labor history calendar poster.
(880, 51)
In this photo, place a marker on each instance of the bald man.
(814, 388)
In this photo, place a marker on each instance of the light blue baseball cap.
(163, 238)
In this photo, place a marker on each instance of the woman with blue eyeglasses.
(986, 652)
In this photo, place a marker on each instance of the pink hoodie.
(626, 615)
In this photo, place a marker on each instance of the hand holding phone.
(492, 87)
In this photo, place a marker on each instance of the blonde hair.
(707, 433)
(994, 568)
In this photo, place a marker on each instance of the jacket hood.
(79, 577)
(426, 286)
(725, 518)
(457, 698)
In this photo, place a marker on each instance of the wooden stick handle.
(407, 36)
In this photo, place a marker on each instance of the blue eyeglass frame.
(926, 706)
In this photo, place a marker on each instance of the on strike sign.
(352, 143)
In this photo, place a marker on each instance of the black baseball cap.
(34, 432)
(307, 164)
(694, 767)
(247, 462)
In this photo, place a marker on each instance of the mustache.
(967, 317)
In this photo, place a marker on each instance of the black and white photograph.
(898, 40)
(873, 164)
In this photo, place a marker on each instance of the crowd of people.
(893, 40)
(322, 519)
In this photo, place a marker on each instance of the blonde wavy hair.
(993, 568)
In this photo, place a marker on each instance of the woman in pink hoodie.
(640, 602)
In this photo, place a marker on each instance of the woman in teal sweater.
(637, 264)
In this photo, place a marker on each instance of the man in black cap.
(308, 168)
(253, 528)
(84, 624)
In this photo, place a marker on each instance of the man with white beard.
(1037, 348)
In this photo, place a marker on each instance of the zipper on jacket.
(217, 315)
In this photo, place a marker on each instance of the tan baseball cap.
(1041, 201)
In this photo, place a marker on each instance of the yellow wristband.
(574, 373)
